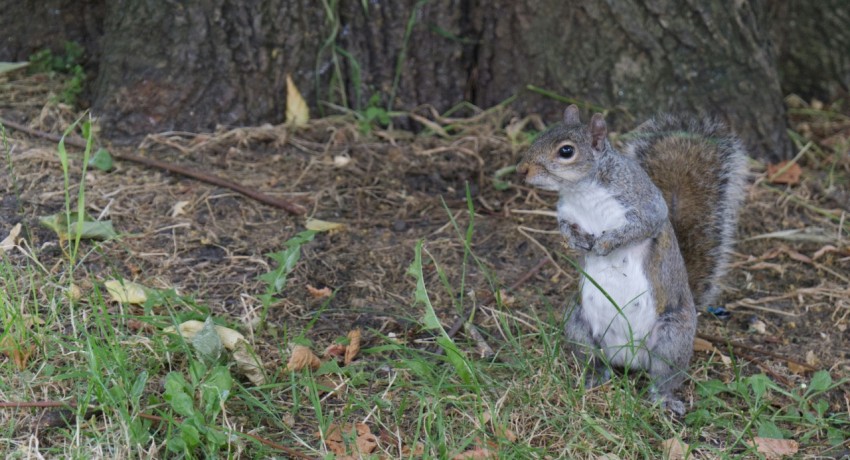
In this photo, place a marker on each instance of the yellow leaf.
(247, 362)
(123, 291)
(323, 226)
(11, 240)
(297, 112)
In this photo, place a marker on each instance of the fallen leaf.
(11, 239)
(323, 226)
(179, 208)
(702, 345)
(775, 448)
(505, 433)
(479, 453)
(127, 292)
(19, 354)
(812, 359)
(674, 449)
(364, 440)
(302, 357)
(353, 346)
(418, 450)
(796, 368)
(341, 161)
(336, 351)
(780, 174)
(297, 112)
(247, 362)
(319, 293)
(88, 229)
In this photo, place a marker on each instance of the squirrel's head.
(566, 153)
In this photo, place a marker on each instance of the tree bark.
(813, 44)
(638, 58)
(194, 65)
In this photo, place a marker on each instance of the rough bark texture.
(28, 26)
(410, 51)
(193, 65)
(638, 58)
(170, 66)
(813, 45)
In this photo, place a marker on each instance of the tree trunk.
(813, 45)
(638, 58)
(194, 65)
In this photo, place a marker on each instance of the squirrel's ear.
(598, 131)
(571, 115)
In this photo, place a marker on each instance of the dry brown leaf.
(365, 441)
(335, 351)
(302, 357)
(674, 449)
(789, 176)
(796, 368)
(505, 433)
(353, 346)
(417, 451)
(319, 293)
(775, 448)
(479, 453)
(812, 359)
(703, 345)
(297, 112)
(18, 353)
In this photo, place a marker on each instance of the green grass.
(134, 391)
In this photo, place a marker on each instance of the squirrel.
(653, 226)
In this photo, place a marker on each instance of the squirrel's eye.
(566, 152)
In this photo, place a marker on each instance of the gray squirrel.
(653, 225)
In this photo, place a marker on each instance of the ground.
(787, 294)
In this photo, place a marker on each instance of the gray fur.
(657, 149)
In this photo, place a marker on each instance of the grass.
(130, 390)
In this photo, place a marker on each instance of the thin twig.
(155, 418)
(177, 169)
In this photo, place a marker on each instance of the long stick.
(177, 169)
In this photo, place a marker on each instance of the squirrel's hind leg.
(669, 354)
(580, 341)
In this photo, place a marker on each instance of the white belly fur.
(620, 273)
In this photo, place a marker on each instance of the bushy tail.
(700, 167)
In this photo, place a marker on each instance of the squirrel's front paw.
(576, 237)
(603, 246)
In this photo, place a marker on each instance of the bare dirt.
(788, 294)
